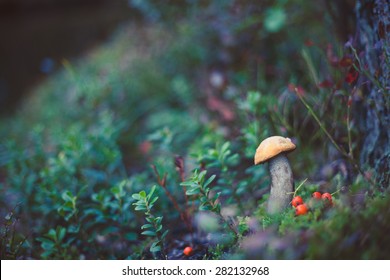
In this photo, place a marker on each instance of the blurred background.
(37, 35)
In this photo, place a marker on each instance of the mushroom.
(274, 149)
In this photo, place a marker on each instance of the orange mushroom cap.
(271, 147)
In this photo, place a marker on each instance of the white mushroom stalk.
(282, 185)
(273, 150)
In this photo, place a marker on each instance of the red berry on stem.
(352, 75)
(316, 195)
(297, 201)
(301, 210)
(327, 196)
(188, 251)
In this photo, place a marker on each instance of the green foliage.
(153, 227)
(199, 187)
(11, 240)
(55, 244)
(220, 157)
(68, 209)
(275, 19)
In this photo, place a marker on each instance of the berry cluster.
(301, 208)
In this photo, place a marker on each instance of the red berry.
(297, 201)
(325, 84)
(301, 210)
(352, 75)
(188, 251)
(316, 195)
(327, 196)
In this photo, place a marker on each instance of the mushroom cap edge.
(271, 147)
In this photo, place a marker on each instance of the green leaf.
(209, 180)
(146, 226)
(110, 230)
(233, 160)
(225, 147)
(142, 194)
(115, 190)
(136, 196)
(214, 164)
(189, 184)
(150, 220)
(164, 234)
(151, 192)
(275, 19)
(216, 196)
(131, 236)
(69, 205)
(74, 228)
(205, 207)
(155, 248)
(67, 196)
(148, 233)
(52, 234)
(193, 191)
(61, 234)
(217, 208)
(154, 200)
(68, 216)
(47, 246)
(45, 240)
(201, 176)
(140, 208)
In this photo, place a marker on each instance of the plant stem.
(349, 130)
(224, 220)
(361, 69)
(300, 185)
(308, 107)
(337, 146)
(160, 239)
(155, 226)
(213, 205)
(179, 163)
(333, 193)
(183, 214)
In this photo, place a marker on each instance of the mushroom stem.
(282, 184)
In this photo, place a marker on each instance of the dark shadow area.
(37, 35)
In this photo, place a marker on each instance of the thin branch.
(308, 107)
(349, 156)
(349, 127)
(162, 182)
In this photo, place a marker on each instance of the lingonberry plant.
(200, 189)
(11, 240)
(153, 227)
